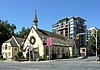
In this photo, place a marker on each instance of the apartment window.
(83, 50)
(71, 32)
(66, 25)
(61, 32)
(71, 25)
(66, 34)
(71, 29)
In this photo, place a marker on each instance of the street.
(66, 64)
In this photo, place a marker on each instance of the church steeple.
(35, 20)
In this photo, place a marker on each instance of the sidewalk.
(71, 59)
(95, 61)
(9, 60)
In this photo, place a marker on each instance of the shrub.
(74, 56)
(21, 57)
(66, 56)
(15, 58)
(1, 56)
(20, 54)
(42, 59)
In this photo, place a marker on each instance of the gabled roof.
(13, 42)
(19, 40)
(57, 39)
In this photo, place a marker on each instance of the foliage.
(15, 58)
(42, 59)
(20, 54)
(92, 42)
(1, 56)
(98, 38)
(6, 31)
(24, 32)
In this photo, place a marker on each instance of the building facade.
(91, 31)
(70, 27)
(11, 47)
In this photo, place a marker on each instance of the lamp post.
(49, 43)
(96, 46)
(96, 42)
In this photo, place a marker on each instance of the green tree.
(24, 32)
(99, 38)
(92, 41)
(6, 31)
(13, 27)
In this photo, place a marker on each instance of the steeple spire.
(35, 20)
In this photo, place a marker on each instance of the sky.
(21, 12)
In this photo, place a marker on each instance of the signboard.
(49, 41)
(77, 36)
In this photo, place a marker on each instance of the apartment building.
(91, 31)
(70, 27)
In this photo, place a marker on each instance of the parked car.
(82, 57)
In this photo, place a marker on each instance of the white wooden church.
(36, 43)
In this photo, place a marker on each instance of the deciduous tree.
(6, 31)
(24, 32)
(92, 41)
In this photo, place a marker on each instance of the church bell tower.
(35, 20)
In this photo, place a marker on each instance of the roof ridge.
(52, 32)
(16, 41)
(9, 40)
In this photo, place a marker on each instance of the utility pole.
(49, 44)
(95, 37)
(49, 52)
(96, 46)
(78, 46)
(96, 42)
(49, 47)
